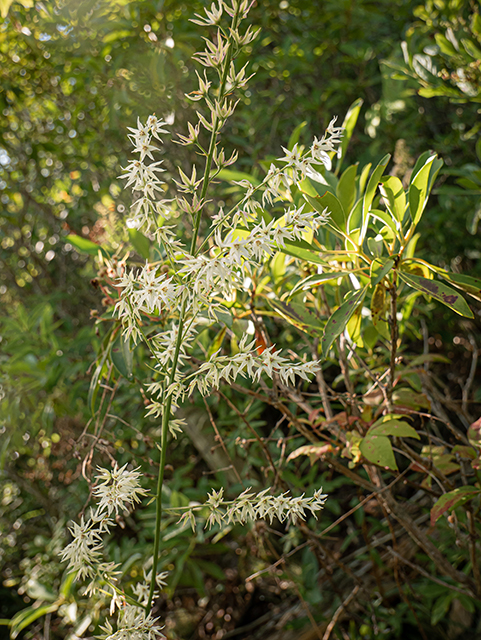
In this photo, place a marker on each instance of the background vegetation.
(74, 75)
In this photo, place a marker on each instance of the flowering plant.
(216, 264)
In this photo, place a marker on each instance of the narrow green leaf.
(468, 284)
(452, 499)
(387, 220)
(331, 203)
(379, 269)
(392, 191)
(140, 243)
(418, 190)
(339, 319)
(346, 188)
(370, 192)
(378, 450)
(228, 176)
(84, 245)
(25, 617)
(363, 179)
(294, 138)
(297, 315)
(217, 342)
(439, 291)
(317, 279)
(303, 250)
(348, 124)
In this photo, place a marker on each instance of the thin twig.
(338, 612)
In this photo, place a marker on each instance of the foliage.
(336, 276)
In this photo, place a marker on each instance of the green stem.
(168, 402)
(163, 453)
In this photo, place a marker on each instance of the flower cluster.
(133, 624)
(249, 361)
(141, 177)
(145, 291)
(118, 490)
(249, 506)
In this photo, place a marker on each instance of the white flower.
(84, 552)
(133, 624)
(119, 489)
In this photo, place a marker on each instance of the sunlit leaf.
(339, 319)
(439, 291)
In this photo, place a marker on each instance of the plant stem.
(394, 339)
(168, 401)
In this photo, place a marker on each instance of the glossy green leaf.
(378, 450)
(468, 284)
(334, 207)
(217, 342)
(230, 175)
(298, 315)
(140, 243)
(303, 250)
(346, 188)
(420, 186)
(387, 221)
(294, 137)
(452, 499)
(394, 196)
(339, 319)
(348, 125)
(379, 269)
(84, 245)
(317, 279)
(439, 291)
(370, 192)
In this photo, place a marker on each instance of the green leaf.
(25, 617)
(317, 279)
(398, 428)
(421, 185)
(346, 188)
(445, 45)
(378, 450)
(387, 220)
(379, 269)
(452, 499)
(369, 193)
(348, 124)
(297, 315)
(303, 250)
(122, 356)
(84, 245)
(394, 196)
(94, 383)
(229, 176)
(339, 319)
(217, 342)
(294, 138)
(278, 265)
(468, 284)
(333, 205)
(441, 608)
(439, 291)
(140, 243)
